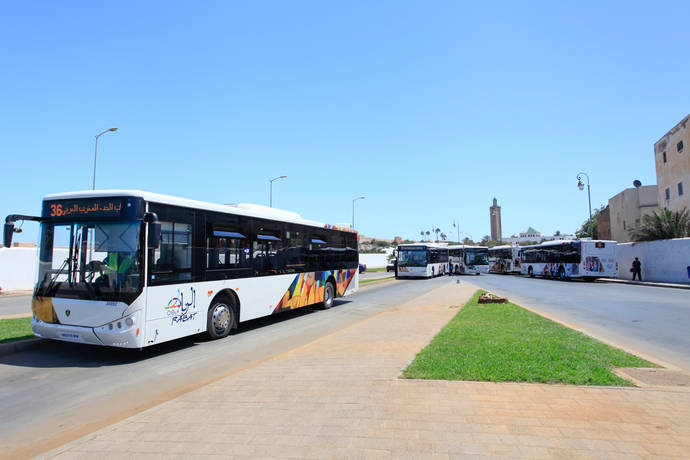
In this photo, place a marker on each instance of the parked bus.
(468, 260)
(504, 259)
(588, 259)
(132, 269)
(421, 260)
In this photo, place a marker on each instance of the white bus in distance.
(504, 259)
(468, 260)
(421, 260)
(130, 269)
(565, 259)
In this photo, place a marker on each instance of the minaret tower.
(495, 217)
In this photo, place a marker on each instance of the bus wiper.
(55, 277)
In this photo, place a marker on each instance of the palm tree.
(422, 233)
(427, 234)
(443, 236)
(437, 231)
(663, 225)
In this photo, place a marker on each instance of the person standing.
(636, 269)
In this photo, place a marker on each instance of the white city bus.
(588, 259)
(421, 260)
(504, 259)
(468, 260)
(131, 269)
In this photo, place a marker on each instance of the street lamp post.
(271, 195)
(353, 210)
(95, 154)
(581, 186)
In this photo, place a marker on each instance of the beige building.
(627, 208)
(672, 158)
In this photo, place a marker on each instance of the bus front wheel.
(328, 295)
(221, 318)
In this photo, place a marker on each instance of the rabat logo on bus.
(67, 312)
(179, 311)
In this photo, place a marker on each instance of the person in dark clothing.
(637, 269)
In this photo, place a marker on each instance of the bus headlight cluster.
(129, 321)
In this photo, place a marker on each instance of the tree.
(437, 231)
(527, 243)
(484, 240)
(443, 236)
(422, 233)
(467, 241)
(589, 228)
(427, 234)
(663, 225)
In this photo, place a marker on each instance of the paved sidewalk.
(339, 397)
(645, 283)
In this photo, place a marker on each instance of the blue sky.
(429, 109)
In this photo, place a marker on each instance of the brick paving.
(339, 397)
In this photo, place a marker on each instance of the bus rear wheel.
(328, 296)
(221, 318)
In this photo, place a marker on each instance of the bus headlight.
(129, 321)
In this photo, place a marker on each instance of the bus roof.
(243, 209)
(466, 246)
(429, 245)
(504, 246)
(559, 242)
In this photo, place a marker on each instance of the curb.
(19, 345)
(644, 283)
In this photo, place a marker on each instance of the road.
(15, 304)
(59, 391)
(647, 319)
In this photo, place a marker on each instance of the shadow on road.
(54, 354)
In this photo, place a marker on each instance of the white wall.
(17, 268)
(662, 260)
(373, 260)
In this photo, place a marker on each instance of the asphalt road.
(651, 320)
(15, 304)
(59, 391)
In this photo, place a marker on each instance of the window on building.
(679, 147)
(664, 155)
(668, 194)
(680, 189)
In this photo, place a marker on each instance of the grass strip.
(377, 269)
(506, 343)
(375, 279)
(15, 329)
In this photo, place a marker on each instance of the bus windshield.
(477, 256)
(412, 258)
(90, 260)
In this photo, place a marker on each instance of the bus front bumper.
(125, 337)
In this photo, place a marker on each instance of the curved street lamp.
(353, 210)
(270, 202)
(95, 153)
(581, 186)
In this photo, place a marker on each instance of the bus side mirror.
(7, 236)
(154, 234)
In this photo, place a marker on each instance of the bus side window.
(172, 260)
(268, 255)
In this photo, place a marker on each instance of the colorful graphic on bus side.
(308, 288)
